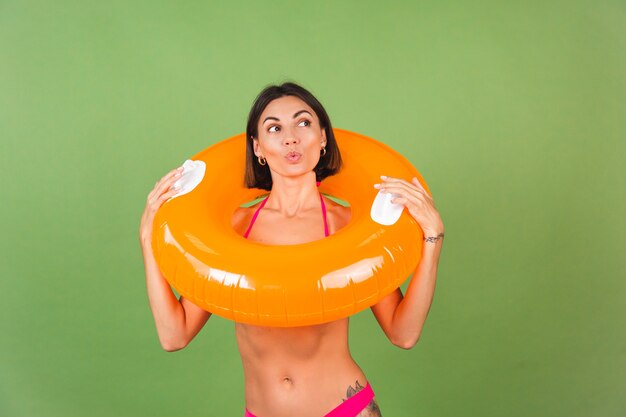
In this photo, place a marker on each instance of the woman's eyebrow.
(271, 118)
(296, 114)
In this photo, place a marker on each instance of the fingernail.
(383, 177)
(376, 185)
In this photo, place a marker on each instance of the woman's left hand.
(417, 200)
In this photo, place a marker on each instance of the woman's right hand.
(161, 192)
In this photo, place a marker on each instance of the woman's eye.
(304, 121)
(273, 129)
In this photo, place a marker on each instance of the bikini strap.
(324, 213)
(256, 213)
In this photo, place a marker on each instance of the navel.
(287, 382)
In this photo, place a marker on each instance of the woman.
(303, 371)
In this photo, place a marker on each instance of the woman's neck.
(291, 195)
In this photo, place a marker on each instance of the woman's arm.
(402, 318)
(177, 321)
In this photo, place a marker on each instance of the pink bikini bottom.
(350, 407)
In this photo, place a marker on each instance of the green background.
(514, 112)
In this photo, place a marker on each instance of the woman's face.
(290, 137)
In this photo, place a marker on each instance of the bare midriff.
(296, 371)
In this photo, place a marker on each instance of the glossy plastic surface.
(206, 261)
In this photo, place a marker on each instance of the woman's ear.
(323, 142)
(255, 145)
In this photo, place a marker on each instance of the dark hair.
(259, 176)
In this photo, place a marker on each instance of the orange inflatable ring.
(206, 261)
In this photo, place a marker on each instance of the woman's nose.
(290, 139)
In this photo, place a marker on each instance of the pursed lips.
(293, 156)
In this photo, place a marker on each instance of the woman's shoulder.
(241, 217)
(338, 214)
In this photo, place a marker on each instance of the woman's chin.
(296, 171)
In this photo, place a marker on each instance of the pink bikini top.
(256, 213)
